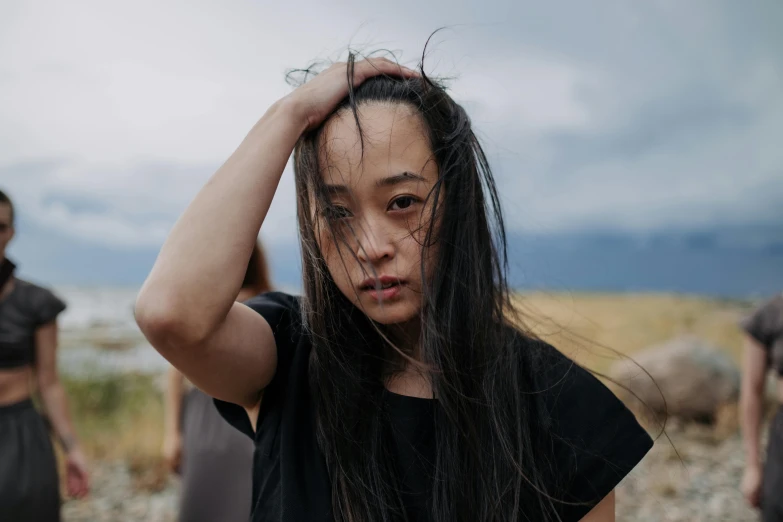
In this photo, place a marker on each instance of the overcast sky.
(601, 114)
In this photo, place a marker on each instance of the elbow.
(166, 325)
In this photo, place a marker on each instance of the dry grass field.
(598, 329)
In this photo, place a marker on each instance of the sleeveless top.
(25, 309)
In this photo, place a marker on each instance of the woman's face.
(379, 203)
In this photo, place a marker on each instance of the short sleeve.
(596, 440)
(765, 325)
(282, 313)
(45, 306)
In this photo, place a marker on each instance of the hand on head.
(316, 99)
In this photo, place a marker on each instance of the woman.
(218, 460)
(763, 350)
(29, 485)
(398, 387)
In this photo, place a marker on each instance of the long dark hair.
(490, 463)
(257, 273)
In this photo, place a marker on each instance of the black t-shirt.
(596, 439)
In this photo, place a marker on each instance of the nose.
(374, 243)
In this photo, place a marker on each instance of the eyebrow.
(399, 178)
(389, 181)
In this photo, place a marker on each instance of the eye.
(336, 212)
(402, 203)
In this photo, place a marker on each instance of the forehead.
(395, 141)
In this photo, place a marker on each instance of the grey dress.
(217, 465)
(29, 487)
(766, 327)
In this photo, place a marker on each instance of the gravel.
(697, 482)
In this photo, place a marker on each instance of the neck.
(406, 336)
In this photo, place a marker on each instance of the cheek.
(412, 253)
(423, 249)
(338, 259)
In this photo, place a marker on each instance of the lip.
(371, 287)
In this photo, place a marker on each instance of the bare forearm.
(173, 403)
(752, 409)
(200, 268)
(754, 371)
(56, 405)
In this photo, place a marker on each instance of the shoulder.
(27, 288)
(552, 373)
(30, 288)
(765, 323)
(596, 440)
(575, 400)
(771, 307)
(35, 297)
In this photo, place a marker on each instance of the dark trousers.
(29, 486)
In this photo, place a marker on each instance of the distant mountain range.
(731, 262)
(708, 263)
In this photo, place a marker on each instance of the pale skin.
(17, 384)
(186, 307)
(172, 419)
(754, 370)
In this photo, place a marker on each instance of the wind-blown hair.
(490, 463)
(257, 273)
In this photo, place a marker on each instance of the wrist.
(293, 111)
(67, 441)
(73, 449)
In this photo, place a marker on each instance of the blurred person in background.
(29, 483)
(763, 487)
(215, 460)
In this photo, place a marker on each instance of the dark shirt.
(22, 312)
(765, 325)
(596, 439)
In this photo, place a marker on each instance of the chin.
(390, 313)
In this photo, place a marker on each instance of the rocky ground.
(117, 497)
(701, 484)
(697, 482)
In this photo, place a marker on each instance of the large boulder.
(695, 378)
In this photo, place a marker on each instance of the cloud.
(540, 93)
(613, 115)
